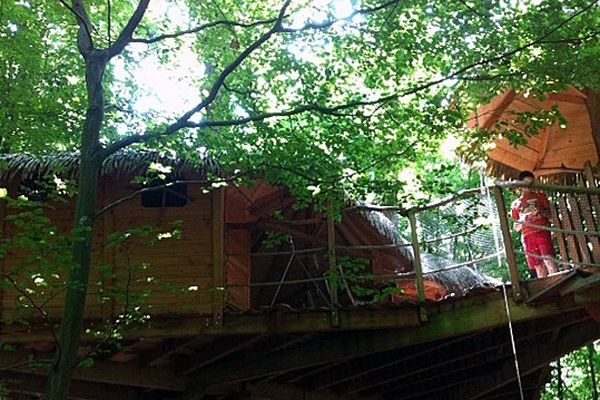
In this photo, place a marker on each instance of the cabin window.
(173, 196)
(34, 190)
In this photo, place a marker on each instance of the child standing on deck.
(531, 209)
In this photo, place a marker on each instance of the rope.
(284, 272)
(494, 231)
(559, 261)
(505, 296)
(513, 342)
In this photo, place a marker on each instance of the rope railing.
(559, 261)
(363, 247)
(560, 230)
(496, 233)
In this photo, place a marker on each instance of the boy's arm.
(544, 206)
(515, 215)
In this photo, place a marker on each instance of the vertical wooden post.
(218, 248)
(508, 245)
(332, 266)
(417, 265)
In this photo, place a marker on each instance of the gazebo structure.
(556, 151)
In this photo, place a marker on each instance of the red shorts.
(538, 243)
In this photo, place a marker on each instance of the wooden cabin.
(235, 248)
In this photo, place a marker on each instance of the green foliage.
(575, 375)
(38, 274)
(275, 239)
(361, 150)
(354, 273)
(386, 88)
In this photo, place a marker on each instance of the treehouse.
(233, 292)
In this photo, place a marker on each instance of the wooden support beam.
(110, 373)
(538, 354)
(508, 244)
(270, 390)
(484, 349)
(270, 321)
(444, 325)
(33, 385)
(219, 350)
(507, 98)
(347, 377)
(419, 282)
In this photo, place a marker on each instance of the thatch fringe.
(502, 171)
(124, 163)
(388, 228)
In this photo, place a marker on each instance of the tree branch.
(327, 24)
(202, 27)
(37, 307)
(184, 122)
(229, 23)
(167, 186)
(126, 34)
(85, 42)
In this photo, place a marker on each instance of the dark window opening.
(172, 196)
(34, 190)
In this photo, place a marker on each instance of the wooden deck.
(463, 351)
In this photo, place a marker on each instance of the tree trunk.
(591, 354)
(592, 104)
(65, 359)
(560, 381)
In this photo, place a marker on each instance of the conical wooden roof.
(554, 150)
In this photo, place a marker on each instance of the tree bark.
(591, 356)
(592, 103)
(65, 359)
(560, 381)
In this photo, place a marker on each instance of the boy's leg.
(533, 262)
(541, 270)
(546, 248)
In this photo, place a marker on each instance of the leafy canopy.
(385, 82)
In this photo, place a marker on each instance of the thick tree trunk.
(592, 104)
(65, 359)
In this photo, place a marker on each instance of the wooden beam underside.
(444, 325)
(374, 348)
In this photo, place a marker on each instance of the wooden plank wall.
(237, 245)
(170, 277)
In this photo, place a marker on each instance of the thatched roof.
(388, 228)
(124, 163)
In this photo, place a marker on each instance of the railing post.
(509, 249)
(417, 265)
(332, 266)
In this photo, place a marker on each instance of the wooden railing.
(575, 217)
